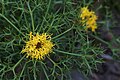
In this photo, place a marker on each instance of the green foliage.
(74, 49)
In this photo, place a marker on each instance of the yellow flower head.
(88, 18)
(38, 46)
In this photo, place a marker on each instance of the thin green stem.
(72, 54)
(52, 61)
(3, 6)
(56, 65)
(62, 33)
(18, 62)
(84, 2)
(14, 73)
(100, 39)
(23, 69)
(34, 70)
(11, 24)
(86, 62)
(44, 70)
(45, 15)
(50, 27)
(31, 14)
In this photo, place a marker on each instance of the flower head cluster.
(38, 46)
(88, 18)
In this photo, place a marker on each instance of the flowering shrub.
(29, 52)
